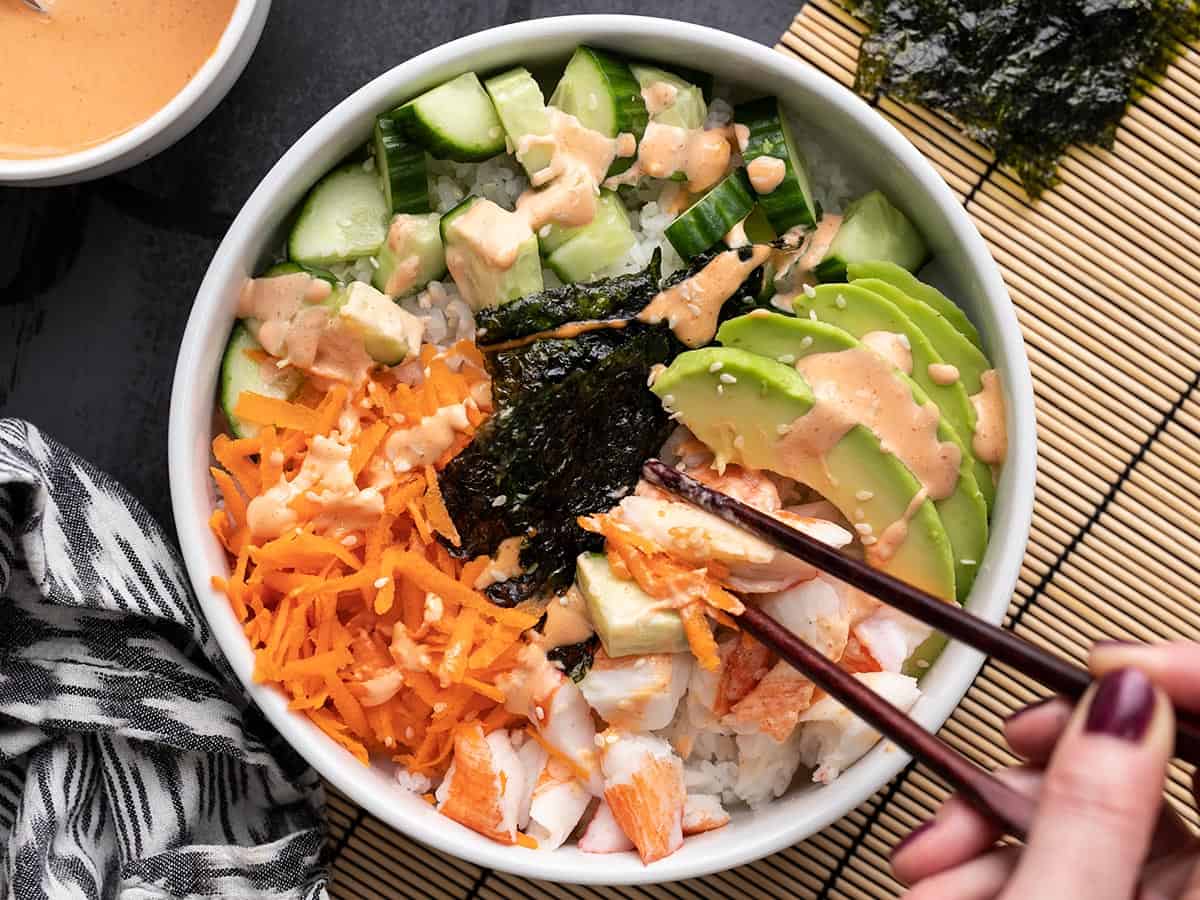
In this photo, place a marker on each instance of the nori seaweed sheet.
(575, 659)
(619, 297)
(1024, 77)
(556, 453)
(546, 362)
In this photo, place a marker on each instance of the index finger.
(1173, 666)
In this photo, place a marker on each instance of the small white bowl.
(181, 114)
(858, 134)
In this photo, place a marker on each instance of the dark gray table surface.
(96, 280)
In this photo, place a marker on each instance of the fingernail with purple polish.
(913, 835)
(1121, 706)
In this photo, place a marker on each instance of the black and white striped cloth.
(131, 765)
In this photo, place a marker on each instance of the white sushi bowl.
(176, 118)
(858, 134)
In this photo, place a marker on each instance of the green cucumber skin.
(711, 217)
(628, 109)
(417, 129)
(791, 203)
(402, 169)
(454, 212)
(321, 207)
(240, 374)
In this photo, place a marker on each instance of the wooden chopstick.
(1062, 677)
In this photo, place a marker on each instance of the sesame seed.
(782, 429)
(282, 363)
(840, 302)
(786, 358)
(717, 366)
(726, 378)
(373, 261)
(969, 562)
(810, 291)
(812, 314)
(807, 340)
(499, 500)
(863, 496)
(544, 231)
(922, 664)
(868, 540)
(720, 389)
(439, 708)
(611, 739)
(863, 527)
(349, 540)
(904, 341)
(739, 442)
(539, 712)
(669, 399)
(381, 583)
(562, 601)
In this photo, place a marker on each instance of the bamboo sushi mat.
(1101, 272)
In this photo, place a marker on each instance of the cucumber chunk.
(402, 169)
(455, 120)
(600, 91)
(620, 612)
(481, 281)
(241, 372)
(791, 203)
(344, 217)
(687, 109)
(522, 109)
(711, 217)
(872, 229)
(580, 253)
(412, 256)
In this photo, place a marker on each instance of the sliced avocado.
(918, 290)
(482, 284)
(412, 256)
(746, 421)
(619, 611)
(687, 110)
(948, 341)
(872, 229)
(860, 311)
(389, 333)
(963, 513)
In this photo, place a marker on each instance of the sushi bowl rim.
(896, 166)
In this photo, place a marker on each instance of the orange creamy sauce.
(93, 69)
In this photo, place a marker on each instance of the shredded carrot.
(579, 771)
(327, 609)
(263, 410)
(435, 509)
(237, 464)
(699, 636)
(368, 443)
(524, 840)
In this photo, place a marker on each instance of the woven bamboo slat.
(1100, 271)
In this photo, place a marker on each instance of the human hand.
(1102, 830)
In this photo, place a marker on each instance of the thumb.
(1101, 795)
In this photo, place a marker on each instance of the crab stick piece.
(484, 785)
(603, 834)
(643, 785)
(559, 802)
(637, 693)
